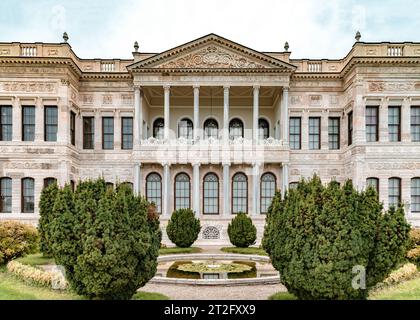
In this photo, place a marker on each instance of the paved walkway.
(185, 292)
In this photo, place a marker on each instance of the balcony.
(212, 150)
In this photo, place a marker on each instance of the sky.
(107, 29)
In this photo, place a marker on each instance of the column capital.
(256, 86)
(195, 164)
(165, 163)
(226, 163)
(196, 86)
(166, 87)
(226, 87)
(136, 87)
(285, 89)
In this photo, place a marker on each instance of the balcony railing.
(395, 51)
(28, 51)
(209, 142)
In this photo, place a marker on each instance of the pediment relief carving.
(212, 56)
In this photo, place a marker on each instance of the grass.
(407, 290)
(176, 250)
(282, 296)
(36, 259)
(249, 250)
(12, 288)
(142, 295)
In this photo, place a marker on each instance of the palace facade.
(211, 125)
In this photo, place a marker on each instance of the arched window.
(268, 188)
(72, 185)
(394, 191)
(109, 185)
(415, 195)
(48, 181)
(28, 203)
(158, 128)
(211, 129)
(374, 183)
(154, 190)
(6, 195)
(263, 129)
(236, 129)
(239, 193)
(182, 191)
(211, 194)
(185, 129)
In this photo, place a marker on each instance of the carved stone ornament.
(381, 86)
(212, 57)
(26, 87)
(211, 233)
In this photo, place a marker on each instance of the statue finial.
(65, 36)
(358, 36)
(136, 46)
(286, 46)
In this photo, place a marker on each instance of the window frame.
(73, 128)
(158, 131)
(350, 128)
(5, 125)
(415, 127)
(232, 196)
(312, 135)
(399, 191)
(25, 125)
(90, 134)
(158, 205)
(189, 191)
(334, 134)
(265, 130)
(377, 183)
(217, 193)
(108, 134)
(189, 127)
(398, 125)
(374, 124)
(417, 195)
(206, 131)
(299, 135)
(125, 134)
(269, 173)
(48, 181)
(50, 136)
(242, 128)
(4, 199)
(23, 196)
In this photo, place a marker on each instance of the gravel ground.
(185, 292)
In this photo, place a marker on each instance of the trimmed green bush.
(317, 234)
(16, 240)
(183, 228)
(242, 232)
(107, 240)
(413, 255)
(46, 204)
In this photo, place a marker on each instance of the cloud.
(108, 29)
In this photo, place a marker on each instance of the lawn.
(282, 296)
(249, 250)
(36, 259)
(176, 250)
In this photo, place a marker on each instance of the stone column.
(226, 189)
(359, 113)
(16, 193)
(255, 115)
(17, 120)
(166, 107)
(406, 121)
(324, 130)
(285, 179)
(226, 114)
(79, 130)
(197, 129)
(117, 129)
(285, 116)
(39, 120)
(383, 121)
(196, 189)
(256, 189)
(166, 189)
(304, 128)
(137, 178)
(138, 116)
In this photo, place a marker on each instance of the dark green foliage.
(317, 234)
(107, 240)
(46, 204)
(242, 233)
(183, 228)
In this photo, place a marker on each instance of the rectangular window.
(28, 123)
(6, 119)
(107, 133)
(394, 191)
(50, 123)
(415, 123)
(334, 133)
(127, 133)
(72, 128)
(372, 122)
(350, 128)
(295, 133)
(415, 195)
(394, 124)
(314, 133)
(88, 132)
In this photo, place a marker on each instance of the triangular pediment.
(212, 52)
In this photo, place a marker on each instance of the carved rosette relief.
(107, 99)
(26, 87)
(212, 57)
(381, 86)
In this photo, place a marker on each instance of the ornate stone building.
(211, 125)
